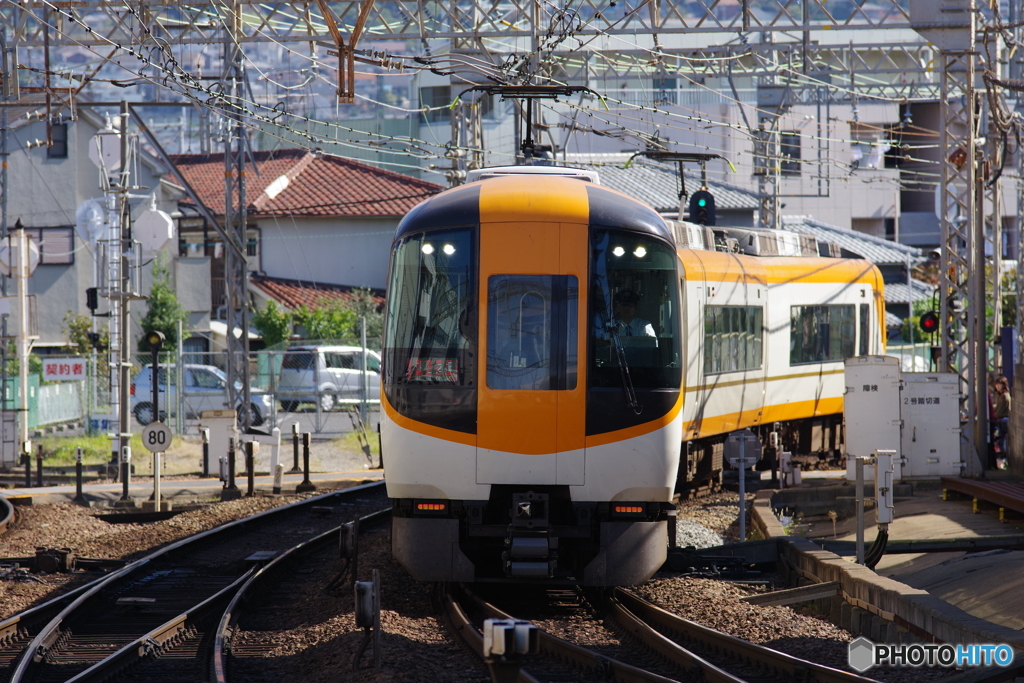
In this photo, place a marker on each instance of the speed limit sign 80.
(156, 437)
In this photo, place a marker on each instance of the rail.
(6, 514)
(639, 616)
(167, 583)
(258, 580)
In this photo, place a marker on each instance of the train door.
(532, 402)
(694, 294)
(756, 348)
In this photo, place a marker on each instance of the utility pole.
(123, 256)
(236, 270)
(18, 252)
(9, 75)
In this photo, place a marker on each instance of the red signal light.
(930, 322)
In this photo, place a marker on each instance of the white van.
(328, 375)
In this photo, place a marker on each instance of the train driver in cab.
(624, 322)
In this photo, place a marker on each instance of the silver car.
(328, 375)
(205, 388)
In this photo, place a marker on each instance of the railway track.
(707, 655)
(169, 604)
(272, 597)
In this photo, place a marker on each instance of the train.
(560, 361)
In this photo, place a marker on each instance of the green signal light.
(702, 202)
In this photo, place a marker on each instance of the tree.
(364, 305)
(164, 312)
(326, 319)
(77, 329)
(329, 319)
(274, 324)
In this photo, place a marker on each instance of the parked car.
(206, 388)
(326, 374)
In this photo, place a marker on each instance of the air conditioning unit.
(771, 242)
(692, 235)
(561, 171)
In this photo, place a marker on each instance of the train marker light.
(629, 509)
(930, 322)
(431, 508)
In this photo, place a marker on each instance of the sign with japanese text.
(432, 370)
(62, 369)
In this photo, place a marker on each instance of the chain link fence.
(328, 387)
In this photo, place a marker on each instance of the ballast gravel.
(419, 644)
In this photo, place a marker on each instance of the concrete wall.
(875, 606)
(45, 193)
(344, 252)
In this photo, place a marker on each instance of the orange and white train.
(530, 431)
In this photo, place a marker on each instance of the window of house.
(56, 245)
(438, 98)
(58, 148)
(664, 90)
(789, 152)
(869, 146)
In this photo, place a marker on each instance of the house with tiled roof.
(293, 294)
(315, 222)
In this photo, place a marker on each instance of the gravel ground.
(70, 526)
(418, 644)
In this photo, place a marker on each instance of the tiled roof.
(897, 292)
(294, 293)
(655, 183)
(874, 249)
(295, 182)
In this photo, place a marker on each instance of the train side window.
(820, 334)
(865, 329)
(532, 332)
(733, 338)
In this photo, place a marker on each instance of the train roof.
(533, 196)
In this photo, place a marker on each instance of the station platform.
(987, 584)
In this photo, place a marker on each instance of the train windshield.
(634, 299)
(531, 331)
(430, 323)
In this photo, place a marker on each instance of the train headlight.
(448, 249)
(618, 251)
(639, 252)
(427, 248)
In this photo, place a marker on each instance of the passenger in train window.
(625, 322)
